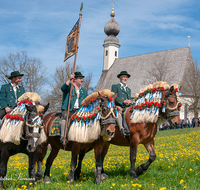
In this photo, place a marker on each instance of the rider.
(78, 95)
(122, 101)
(9, 93)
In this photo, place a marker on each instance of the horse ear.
(115, 96)
(180, 88)
(171, 89)
(46, 108)
(29, 108)
(102, 97)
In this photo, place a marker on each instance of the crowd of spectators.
(194, 122)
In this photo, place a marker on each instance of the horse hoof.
(134, 175)
(72, 182)
(38, 177)
(47, 180)
(98, 181)
(104, 176)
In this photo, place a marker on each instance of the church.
(144, 69)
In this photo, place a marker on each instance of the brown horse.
(107, 125)
(141, 133)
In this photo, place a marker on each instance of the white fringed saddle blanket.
(148, 102)
(13, 123)
(85, 126)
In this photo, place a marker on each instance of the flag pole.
(70, 94)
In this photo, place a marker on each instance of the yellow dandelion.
(190, 169)
(163, 188)
(181, 181)
(113, 184)
(184, 187)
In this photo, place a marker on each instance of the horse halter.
(106, 120)
(170, 111)
(35, 124)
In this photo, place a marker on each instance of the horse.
(107, 131)
(142, 133)
(31, 135)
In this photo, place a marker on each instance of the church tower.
(111, 43)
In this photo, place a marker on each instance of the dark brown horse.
(107, 124)
(141, 133)
(27, 145)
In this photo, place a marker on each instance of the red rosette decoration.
(40, 114)
(19, 103)
(110, 98)
(29, 102)
(76, 116)
(176, 89)
(98, 109)
(179, 104)
(21, 119)
(162, 89)
(72, 118)
(7, 116)
(11, 117)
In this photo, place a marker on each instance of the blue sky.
(41, 27)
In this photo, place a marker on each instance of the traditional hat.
(123, 73)
(15, 74)
(78, 74)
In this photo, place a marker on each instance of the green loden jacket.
(7, 95)
(122, 94)
(66, 89)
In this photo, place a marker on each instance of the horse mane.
(105, 93)
(148, 101)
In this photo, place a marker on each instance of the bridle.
(106, 120)
(37, 123)
(170, 111)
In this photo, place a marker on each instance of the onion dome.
(112, 27)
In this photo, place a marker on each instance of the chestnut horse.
(141, 133)
(107, 125)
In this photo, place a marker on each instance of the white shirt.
(124, 86)
(76, 105)
(15, 91)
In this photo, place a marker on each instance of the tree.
(32, 68)
(159, 71)
(191, 86)
(61, 75)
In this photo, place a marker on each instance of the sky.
(40, 28)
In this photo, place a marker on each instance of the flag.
(71, 41)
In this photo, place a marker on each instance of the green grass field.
(177, 166)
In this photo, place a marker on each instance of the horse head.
(108, 116)
(170, 100)
(33, 125)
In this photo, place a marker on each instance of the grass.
(176, 167)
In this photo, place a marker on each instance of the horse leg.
(98, 148)
(104, 152)
(31, 170)
(152, 156)
(5, 154)
(50, 159)
(133, 152)
(75, 150)
(78, 169)
(42, 154)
